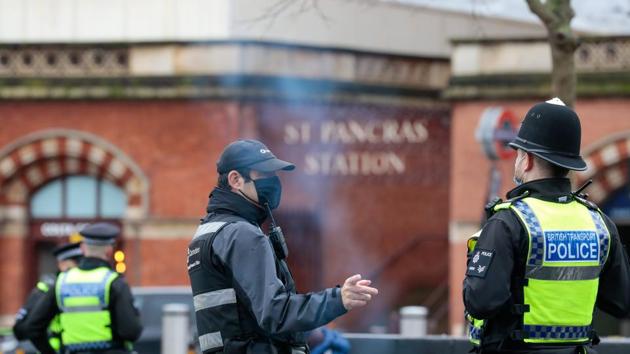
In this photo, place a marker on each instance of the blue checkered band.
(604, 237)
(537, 240)
(557, 332)
(85, 347)
(474, 332)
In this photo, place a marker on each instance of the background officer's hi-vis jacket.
(83, 298)
(54, 329)
(568, 247)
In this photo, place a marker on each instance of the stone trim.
(35, 159)
(161, 229)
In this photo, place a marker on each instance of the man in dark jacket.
(244, 295)
(546, 257)
(94, 303)
(67, 256)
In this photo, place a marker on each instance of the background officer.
(67, 256)
(94, 303)
(546, 257)
(244, 295)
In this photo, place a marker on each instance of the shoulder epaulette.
(494, 202)
(587, 203)
(502, 205)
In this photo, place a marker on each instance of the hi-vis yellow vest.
(54, 328)
(83, 299)
(568, 247)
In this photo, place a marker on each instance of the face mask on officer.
(518, 176)
(267, 190)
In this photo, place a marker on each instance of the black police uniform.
(244, 295)
(492, 297)
(64, 252)
(552, 132)
(125, 320)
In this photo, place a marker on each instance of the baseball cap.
(251, 154)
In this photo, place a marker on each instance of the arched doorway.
(34, 170)
(59, 209)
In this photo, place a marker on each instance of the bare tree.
(556, 15)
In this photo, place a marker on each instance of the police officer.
(244, 295)
(546, 257)
(94, 303)
(67, 256)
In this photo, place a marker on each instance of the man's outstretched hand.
(356, 292)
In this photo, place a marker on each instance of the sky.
(601, 16)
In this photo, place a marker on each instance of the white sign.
(61, 229)
(387, 132)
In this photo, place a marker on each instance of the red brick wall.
(391, 227)
(163, 262)
(176, 143)
(12, 259)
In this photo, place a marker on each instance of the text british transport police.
(571, 246)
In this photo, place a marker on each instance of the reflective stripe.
(214, 299)
(602, 232)
(210, 341)
(562, 273)
(208, 228)
(474, 332)
(84, 309)
(537, 248)
(42, 286)
(556, 332)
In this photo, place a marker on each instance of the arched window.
(78, 197)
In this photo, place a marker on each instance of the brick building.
(141, 151)
(119, 113)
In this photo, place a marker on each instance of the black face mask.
(269, 191)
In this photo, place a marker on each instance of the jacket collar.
(551, 189)
(88, 263)
(223, 201)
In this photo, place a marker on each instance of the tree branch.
(542, 11)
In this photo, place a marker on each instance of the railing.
(603, 54)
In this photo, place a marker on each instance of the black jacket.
(19, 328)
(126, 324)
(492, 297)
(262, 284)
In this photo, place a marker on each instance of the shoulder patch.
(479, 263)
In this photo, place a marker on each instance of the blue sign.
(571, 246)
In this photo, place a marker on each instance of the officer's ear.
(235, 180)
(529, 162)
